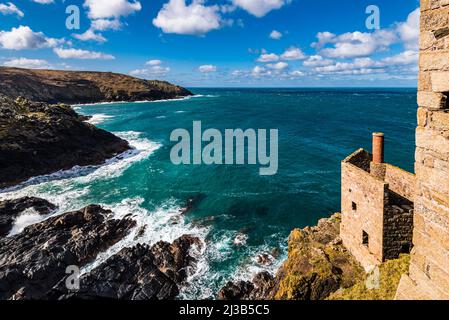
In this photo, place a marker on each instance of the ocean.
(238, 213)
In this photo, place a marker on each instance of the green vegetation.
(390, 274)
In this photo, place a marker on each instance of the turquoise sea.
(238, 213)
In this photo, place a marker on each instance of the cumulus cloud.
(193, 19)
(207, 68)
(27, 63)
(154, 71)
(278, 66)
(106, 24)
(355, 44)
(275, 35)
(268, 57)
(43, 1)
(260, 8)
(10, 8)
(23, 37)
(404, 58)
(101, 9)
(317, 61)
(293, 53)
(81, 54)
(409, 30)
(90, 35)
(153, 62)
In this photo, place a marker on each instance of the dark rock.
(37, 138)
(34, 261)
(11, 209)
(73, 87)
(138, 273)
(240, 290)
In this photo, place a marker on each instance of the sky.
(223, 43)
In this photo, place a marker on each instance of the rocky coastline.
(40, 135)
(81, 87)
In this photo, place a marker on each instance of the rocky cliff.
(74, 87)
(37, 138)
(33, 263)
(318, 264)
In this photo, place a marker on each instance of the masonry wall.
(429, 270)
(367, 193)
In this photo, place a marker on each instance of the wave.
(166, 223)
(141, 101)
(69, 189)
(99, 118)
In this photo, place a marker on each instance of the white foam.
(165, 223)
(27, 217)
(99, 118)
(142, 101)
(68, 189)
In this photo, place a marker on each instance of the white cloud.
(24, 38)
(355, 44)
(409, 30)
(193, 19)
(355, 67)
(268, 57)
(259, 71)
(278, 66)
(10, 8)
(317, 61)
(154, 71)
(43, 1)
(27, 63)
(153, 62)
(293, 53)
(404, 58)
(297, 73)
(260, 8)
(275, 35)
(81, 54)
(106, 24)
(90, 35)
(207, 68)
(100, 9)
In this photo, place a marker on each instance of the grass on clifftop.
(390, 274)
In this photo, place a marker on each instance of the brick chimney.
(377, 166)
(378, 148)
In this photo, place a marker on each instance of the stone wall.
(398, 226)
(400, 181)
(428, 276)
(362, 205)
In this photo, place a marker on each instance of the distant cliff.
(37, 138)
(73, 87)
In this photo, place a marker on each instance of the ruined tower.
(428, 277)
(376, 206)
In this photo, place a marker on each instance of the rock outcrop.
(33, 264)
(73, 87)
(11, 209)
(37, 138)
(34, 261)
(318, 264)
(138, 273)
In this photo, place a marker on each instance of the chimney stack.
(378, 148)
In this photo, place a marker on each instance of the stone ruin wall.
(358, 186)
(428, 276)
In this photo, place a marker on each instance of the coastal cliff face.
(76, 87)
(37, 138)
(33, 263)
(317, 265)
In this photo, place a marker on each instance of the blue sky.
(226, 43)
